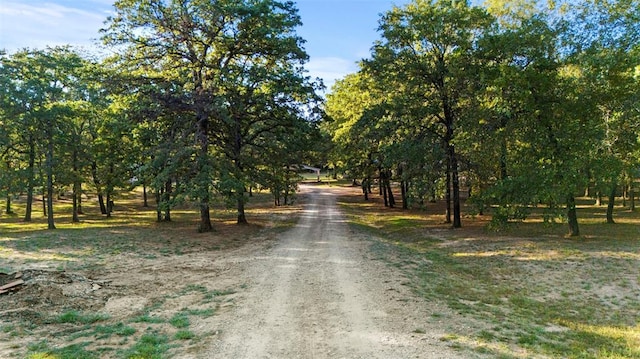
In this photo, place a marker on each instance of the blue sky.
(338, 32)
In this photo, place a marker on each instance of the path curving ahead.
(317, 294)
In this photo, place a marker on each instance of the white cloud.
(330, 69)
(41, 24)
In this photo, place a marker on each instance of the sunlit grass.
(132, 229)
(524, 291)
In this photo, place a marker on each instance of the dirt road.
(318, 294)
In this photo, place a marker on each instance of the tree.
(430, 47)
(40, 93)
(604, 40)
(203, 47)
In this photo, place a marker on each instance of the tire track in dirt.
(316, 295)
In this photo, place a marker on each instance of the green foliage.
(149, 346)
(179, 320)
(235, 90)
(76, 317)
(42, 350)
(184, 335)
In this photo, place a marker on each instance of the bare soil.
(315, 291)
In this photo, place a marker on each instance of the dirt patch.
(49, 290)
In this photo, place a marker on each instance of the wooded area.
(518, 103)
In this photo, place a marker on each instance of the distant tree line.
(523, 103)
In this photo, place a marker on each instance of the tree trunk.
(74, 210)
(612, 200)
(98, 184)
(404, 187)
(44, 200)
(158, 196)
(383, 188)
(108, 207)
(30, 181)
(365, 191)
(80, 198)
(75, 196)
(203, 183)
(632, 198)
(49, 166)
(242, 219)
(103, 208)
(167, 200)
(145, 202)
(392, 200)
(572, 215)
(457, 223)
(8, 208)
(598, 199)
(448, 192)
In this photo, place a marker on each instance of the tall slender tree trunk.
(75, 217)
(404, 186)
(145, 202)
(103, 208)
(167, 200)
(448, 192)
(449, 121)
(632, 198)
(8, 207)
(49, 166)
(80, 198)
(76, 188)
(457, 223)
(392, 200)
(383, 187)
(31, 174)
(572, 215)
(9, 191)
(612, 200)
(365, 191)
(242, 219)
(98, 184)
(44, 199)
(158, 196)
(203, 183)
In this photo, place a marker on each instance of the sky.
(338, 33)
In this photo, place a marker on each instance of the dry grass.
(156, 285)
(526, 291)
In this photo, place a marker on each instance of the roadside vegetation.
(526, 291)
(125, 286)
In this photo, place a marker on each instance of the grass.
(149, 346)
(526, 291)
(43, 350)
(76, 317)
(93, 246)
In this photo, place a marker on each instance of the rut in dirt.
(316, 295)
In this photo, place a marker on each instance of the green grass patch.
(147, 318)
(42, 350)
(184, 335)
(149, 346)
(76, 317)
(179, 320)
